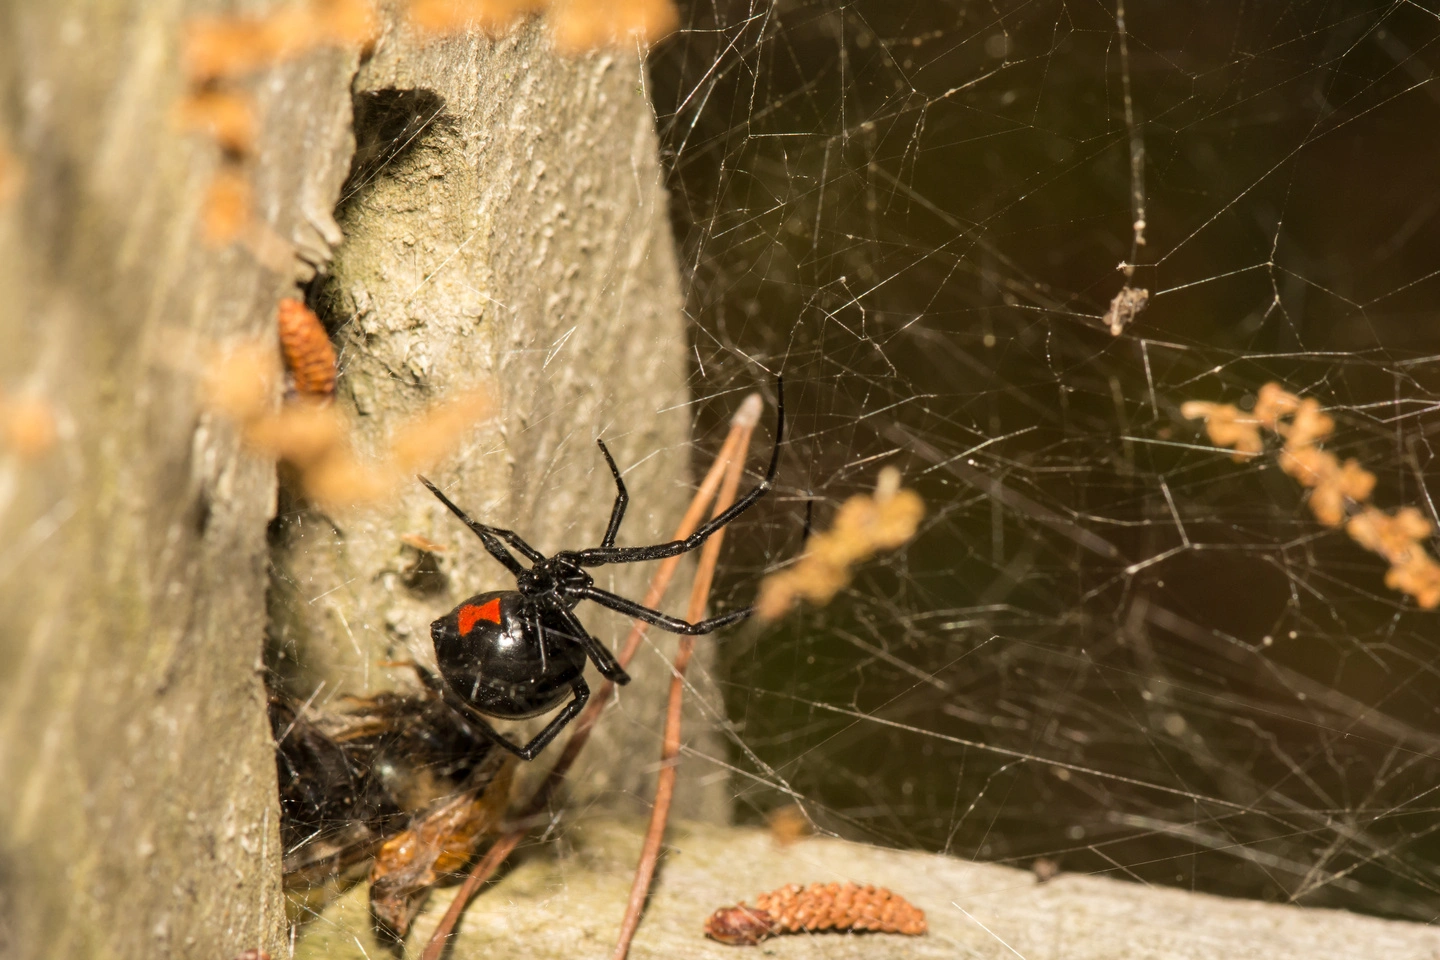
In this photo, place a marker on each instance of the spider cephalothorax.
(513, 654)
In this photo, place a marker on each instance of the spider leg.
(467, 718)
(622, 499)
(474, 722)
(654, 617)
(488, 535)
(597, 556)
(598, 653)
(543, 738)
(539, 629)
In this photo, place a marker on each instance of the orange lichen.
(863, 527)
(1394, 536)
(1272, 403)
(1397, 537)
(222, 51)
(333, 474)
(1044, 869)
(1339, 492)
(309, 355)
(229, 47)
(818, 907)
(1335, 485)
(306, 436)
(1419, 576)
(430, 437)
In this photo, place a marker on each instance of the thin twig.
(665, 782)
(742, 423)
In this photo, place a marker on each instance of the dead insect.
(351, 778)
(437, 844)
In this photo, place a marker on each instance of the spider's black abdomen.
(488, 652)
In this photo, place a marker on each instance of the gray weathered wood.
(138, 813)
(565, 901)
(522, 246)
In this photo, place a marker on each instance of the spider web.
(1110, 645)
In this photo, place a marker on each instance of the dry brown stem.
(1339, 491)
(863, 527)
(670, 751)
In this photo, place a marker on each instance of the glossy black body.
(513, 654)
(507, 669)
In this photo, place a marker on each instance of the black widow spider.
(513, 654)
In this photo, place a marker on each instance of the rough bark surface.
(564, 901)
(138, 813)
(518, 243)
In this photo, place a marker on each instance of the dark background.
(1110, 645)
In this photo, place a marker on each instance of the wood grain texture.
(138, 813)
